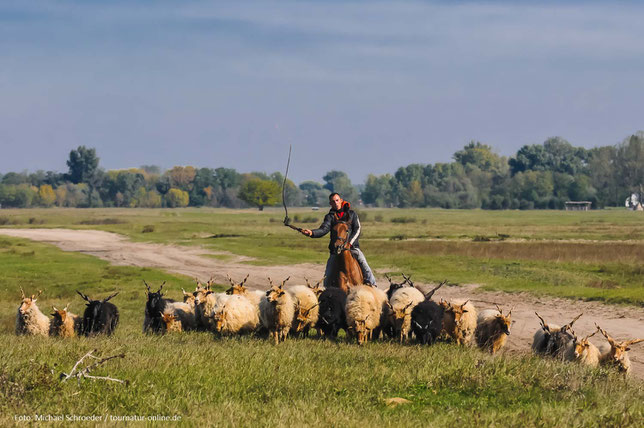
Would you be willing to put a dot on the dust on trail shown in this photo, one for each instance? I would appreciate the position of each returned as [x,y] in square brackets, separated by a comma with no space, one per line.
[622,322]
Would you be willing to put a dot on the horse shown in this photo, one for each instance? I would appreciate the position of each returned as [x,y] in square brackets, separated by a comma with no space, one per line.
[345,271]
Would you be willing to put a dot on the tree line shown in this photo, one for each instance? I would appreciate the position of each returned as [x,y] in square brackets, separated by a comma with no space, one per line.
[538,176]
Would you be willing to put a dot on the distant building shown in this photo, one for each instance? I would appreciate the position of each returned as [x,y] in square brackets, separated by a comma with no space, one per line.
[578,205]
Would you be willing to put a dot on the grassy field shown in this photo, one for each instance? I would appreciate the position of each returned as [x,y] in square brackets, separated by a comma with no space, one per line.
[248,381]
[593,255]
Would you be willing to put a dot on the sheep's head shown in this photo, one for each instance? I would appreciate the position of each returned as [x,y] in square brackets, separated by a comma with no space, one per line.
[200,294]
[317,288]
[220,318]
[94,306]
[618,350]
[457,311]
[423,331]
[154,299]
[302,317]
[276,291]
[237,288]
[504,321]
[399,315]
[361,330]
[393,286]
[28,302]
[60,315]
[188,298]
[170,321]
[582,345]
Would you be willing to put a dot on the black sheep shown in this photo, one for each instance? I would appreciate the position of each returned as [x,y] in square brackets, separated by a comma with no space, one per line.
[331,317]
[154,308]
[427,318]
[100,316]
[427,321]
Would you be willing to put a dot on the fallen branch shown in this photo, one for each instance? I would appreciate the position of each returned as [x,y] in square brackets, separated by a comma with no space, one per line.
[84,373]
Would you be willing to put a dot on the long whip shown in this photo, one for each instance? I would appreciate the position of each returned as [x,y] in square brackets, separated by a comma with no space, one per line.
[287,220]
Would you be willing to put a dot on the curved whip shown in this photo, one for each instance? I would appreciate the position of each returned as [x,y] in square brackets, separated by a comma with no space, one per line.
[287,220]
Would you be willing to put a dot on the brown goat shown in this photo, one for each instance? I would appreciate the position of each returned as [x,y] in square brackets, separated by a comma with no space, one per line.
[64,323]
[459,320]
[317,288]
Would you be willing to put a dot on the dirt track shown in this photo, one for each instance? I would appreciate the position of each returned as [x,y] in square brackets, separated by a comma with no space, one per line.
[621,322]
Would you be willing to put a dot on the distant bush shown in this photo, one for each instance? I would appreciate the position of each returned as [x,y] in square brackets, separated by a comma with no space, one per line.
[305,219]
[94,221]
[148,228]
[403,220]
[398,238]
[378,217]
[4,220]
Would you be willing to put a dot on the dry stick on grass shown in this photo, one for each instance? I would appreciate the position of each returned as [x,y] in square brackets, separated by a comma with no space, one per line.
[84,373]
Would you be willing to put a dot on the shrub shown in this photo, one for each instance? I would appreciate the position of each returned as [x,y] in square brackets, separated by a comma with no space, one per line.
[403,220]
[148,228]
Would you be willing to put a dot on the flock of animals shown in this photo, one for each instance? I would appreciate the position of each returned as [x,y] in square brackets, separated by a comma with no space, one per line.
[364,313]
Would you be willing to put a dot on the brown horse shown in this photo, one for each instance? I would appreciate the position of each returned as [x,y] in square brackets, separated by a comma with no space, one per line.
[345,272]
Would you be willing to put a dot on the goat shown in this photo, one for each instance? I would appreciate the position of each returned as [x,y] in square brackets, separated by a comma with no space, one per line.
[393,286]
[615,353]
[155,306]
[427,318]
[64,323]
[306,309]
[237,315]
[553,340]
[276,311]
[184,313]
[583,351]
[492,329]
[331,315]
[100,316]
[459,320]
[29,319]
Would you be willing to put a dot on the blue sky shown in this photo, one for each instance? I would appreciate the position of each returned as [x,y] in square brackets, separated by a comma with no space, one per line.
[357,86]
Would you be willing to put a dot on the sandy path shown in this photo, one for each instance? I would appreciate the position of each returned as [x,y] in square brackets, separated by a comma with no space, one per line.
[620,321]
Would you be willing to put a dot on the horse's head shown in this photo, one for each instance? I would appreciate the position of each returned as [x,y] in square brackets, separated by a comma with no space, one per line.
[341,233]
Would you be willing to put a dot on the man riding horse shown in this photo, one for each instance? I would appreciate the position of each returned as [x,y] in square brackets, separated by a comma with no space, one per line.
[341,211]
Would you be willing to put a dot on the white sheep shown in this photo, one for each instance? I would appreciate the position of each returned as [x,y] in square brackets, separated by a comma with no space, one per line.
[402,302]
[615,354]
[238,288]
[184,313]
[365,309]
[205,305]
[306,309]
[276,311]
[459,320]
[64,323]
[236,315]
[29,319]
[492,329]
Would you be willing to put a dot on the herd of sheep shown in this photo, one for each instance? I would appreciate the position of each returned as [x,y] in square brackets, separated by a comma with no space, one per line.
[365,313]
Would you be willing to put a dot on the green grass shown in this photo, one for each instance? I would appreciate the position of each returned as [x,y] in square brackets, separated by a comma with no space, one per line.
[593,255]
[249,381]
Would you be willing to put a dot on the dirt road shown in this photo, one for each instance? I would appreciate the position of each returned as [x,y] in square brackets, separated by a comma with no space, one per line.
[620,321]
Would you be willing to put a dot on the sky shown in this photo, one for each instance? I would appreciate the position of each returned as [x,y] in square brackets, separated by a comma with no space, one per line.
[357,86]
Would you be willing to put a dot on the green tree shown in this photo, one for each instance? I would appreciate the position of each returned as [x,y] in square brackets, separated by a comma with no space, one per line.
[83,164]
[259,193]
[177,198]
[338,181]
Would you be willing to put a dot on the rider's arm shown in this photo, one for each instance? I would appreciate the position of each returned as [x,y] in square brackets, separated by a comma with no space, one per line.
[355,228]
[324,228]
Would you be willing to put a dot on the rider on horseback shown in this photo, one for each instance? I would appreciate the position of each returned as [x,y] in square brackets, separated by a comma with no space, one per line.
[340,210]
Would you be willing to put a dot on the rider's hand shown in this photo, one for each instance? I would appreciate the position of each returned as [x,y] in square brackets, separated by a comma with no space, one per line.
[307,232]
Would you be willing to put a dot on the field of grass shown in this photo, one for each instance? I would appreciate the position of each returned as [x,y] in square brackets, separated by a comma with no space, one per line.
[250,382]
[593,255]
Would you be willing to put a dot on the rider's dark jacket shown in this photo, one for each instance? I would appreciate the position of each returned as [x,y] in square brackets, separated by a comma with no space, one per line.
[345,213]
